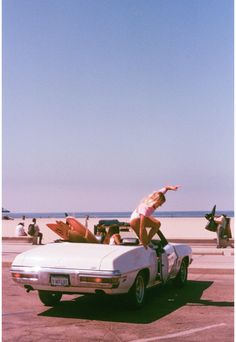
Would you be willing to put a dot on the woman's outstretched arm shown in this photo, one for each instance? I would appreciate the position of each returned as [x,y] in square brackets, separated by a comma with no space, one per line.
[169,187]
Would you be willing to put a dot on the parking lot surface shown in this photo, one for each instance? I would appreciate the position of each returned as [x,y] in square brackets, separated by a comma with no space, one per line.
[201,311]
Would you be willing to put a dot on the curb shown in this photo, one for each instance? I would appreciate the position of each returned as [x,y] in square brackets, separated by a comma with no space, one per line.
[195,240]
[17,239]
[198,270]
[227,252]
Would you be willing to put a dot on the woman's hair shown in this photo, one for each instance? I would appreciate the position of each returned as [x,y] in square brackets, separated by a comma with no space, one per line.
[113,229]
[154,197]
[101,229]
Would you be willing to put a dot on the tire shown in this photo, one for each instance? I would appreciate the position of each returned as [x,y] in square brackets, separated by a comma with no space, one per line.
[182,276]
[49,298]
[137,293]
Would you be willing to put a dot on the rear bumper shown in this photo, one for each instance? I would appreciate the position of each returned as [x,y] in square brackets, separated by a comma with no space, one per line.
[70,280]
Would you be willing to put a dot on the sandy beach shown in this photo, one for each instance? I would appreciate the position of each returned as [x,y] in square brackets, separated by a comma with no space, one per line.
[173,228]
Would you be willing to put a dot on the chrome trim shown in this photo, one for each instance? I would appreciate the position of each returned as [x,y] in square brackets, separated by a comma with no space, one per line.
[97,285]
[37,269]
[44,276]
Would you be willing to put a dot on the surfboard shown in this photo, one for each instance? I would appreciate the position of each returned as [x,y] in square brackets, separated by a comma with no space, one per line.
[72,231]
[84,232]
[65,232]
[60,228]
[74,236]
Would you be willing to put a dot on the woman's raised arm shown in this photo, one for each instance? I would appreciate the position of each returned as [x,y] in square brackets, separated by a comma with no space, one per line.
[169,187]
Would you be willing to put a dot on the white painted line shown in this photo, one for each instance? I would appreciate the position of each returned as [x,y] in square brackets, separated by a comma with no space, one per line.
[181,333]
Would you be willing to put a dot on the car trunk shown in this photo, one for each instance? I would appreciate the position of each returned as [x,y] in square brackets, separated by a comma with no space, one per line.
[66,255]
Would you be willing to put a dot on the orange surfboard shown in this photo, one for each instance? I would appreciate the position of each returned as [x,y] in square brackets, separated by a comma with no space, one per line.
[60,228]
[73,231]
[74,236]
[81,230]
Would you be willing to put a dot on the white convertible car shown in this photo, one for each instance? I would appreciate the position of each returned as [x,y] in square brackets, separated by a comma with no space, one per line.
[82,268]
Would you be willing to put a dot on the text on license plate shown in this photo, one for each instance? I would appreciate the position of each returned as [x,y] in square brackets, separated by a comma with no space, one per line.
[59,280]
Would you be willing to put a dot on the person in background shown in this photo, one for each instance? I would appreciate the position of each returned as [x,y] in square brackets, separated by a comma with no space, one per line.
[20,231]
[113,236]
[142,218]
[223,231]
[86,221]
[37,233]
[101,233]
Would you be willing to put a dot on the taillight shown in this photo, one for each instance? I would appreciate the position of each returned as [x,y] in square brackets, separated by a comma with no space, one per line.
[17,275]
[113,281]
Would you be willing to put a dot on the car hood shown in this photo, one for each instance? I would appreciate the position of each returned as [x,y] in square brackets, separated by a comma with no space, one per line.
[81,256]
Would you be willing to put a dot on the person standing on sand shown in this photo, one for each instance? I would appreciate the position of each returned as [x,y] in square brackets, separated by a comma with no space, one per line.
[86,221]
[142,218]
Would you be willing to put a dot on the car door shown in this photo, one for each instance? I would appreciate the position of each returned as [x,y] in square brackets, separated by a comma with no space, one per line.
[168,259]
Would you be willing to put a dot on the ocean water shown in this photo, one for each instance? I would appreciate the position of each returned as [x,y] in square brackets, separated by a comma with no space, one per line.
[116,215]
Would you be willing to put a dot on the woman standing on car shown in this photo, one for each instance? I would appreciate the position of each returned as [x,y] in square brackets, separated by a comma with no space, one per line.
[142,218]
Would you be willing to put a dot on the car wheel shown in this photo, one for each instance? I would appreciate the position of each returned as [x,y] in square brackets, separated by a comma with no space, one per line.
[181,278]
[49,298]
[137,292]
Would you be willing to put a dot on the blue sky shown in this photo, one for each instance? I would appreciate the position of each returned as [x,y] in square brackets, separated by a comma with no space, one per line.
[106,101]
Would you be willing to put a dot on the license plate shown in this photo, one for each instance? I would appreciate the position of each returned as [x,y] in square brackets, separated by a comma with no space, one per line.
[57,280]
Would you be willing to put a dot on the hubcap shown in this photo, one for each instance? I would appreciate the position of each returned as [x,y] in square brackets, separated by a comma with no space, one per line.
[183,272]
[140,289]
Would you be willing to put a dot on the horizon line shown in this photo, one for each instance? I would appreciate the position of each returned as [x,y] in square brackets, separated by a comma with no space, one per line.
[112,211]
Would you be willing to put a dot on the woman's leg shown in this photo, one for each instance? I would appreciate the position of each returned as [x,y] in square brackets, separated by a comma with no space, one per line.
[154,224]
[149,222]
[135,225]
